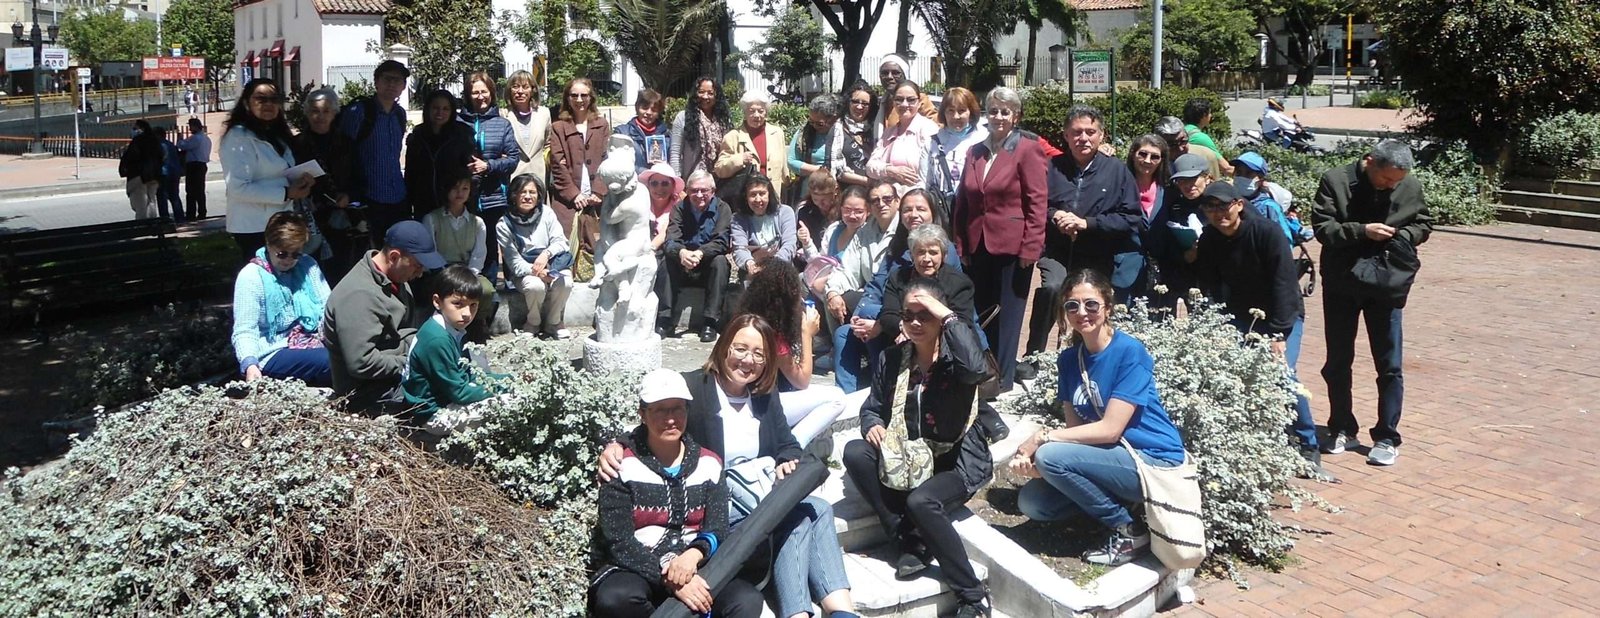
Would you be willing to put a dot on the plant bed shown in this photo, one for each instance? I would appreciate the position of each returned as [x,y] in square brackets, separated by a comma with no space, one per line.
[1057,544]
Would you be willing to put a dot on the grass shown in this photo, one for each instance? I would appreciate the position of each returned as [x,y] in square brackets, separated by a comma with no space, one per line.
[216,251]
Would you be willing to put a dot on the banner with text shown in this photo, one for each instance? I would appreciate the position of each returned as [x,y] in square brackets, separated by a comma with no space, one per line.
[162,68]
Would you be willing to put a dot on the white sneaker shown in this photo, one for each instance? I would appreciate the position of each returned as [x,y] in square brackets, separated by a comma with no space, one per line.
[1338,443]
[1384,453]
[563,334]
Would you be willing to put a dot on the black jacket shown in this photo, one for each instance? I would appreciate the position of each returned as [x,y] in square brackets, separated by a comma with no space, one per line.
[142,158]
[686,230]
[945,405]
[1346,201]
[1253,269]
[428,155]
[1106,195]
[705,426]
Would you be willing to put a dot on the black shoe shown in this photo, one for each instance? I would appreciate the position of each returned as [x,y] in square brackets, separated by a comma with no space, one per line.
[993,423]
[708,334]
[1315,471]
[1026,371]
[908,566]
[968,609]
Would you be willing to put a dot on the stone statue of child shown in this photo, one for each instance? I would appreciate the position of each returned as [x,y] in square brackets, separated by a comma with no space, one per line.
[625,264]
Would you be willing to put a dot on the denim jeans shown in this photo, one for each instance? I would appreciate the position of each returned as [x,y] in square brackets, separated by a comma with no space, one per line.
[309,366]
[1384,334]
[809,564]
[1304,426]
[854,359]
[1098,480]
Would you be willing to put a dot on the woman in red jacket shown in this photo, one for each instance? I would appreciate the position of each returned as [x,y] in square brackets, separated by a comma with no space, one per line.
[999,220]
[577,146]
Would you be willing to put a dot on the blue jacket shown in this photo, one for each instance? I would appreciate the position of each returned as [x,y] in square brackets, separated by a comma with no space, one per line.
[1272,211]
[497,144]
[632,129]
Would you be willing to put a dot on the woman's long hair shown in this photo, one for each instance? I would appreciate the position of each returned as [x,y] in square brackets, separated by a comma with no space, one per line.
[566,98]
[275,132]
[691,119]
[427,101]
[775,294]
[1163,169]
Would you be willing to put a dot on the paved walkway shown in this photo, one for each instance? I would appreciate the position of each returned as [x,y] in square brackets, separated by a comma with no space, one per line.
[24,179]
[1493,508]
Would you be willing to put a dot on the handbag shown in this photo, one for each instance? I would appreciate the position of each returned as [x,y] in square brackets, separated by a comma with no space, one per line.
[1306,269]
[1172,500]
[749,481]
[731,190]
[905,463]
[1388,273]
[582,261]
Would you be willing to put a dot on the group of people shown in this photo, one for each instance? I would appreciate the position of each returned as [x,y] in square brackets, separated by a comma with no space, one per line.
[153,164]
[894,243]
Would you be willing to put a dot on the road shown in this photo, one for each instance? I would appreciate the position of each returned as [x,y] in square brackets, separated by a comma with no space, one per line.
[90,208]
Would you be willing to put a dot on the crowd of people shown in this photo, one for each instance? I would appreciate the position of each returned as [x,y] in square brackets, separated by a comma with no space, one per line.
[895,243]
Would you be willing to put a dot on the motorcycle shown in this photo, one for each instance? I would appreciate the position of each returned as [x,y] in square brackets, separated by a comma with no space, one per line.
[1303,140]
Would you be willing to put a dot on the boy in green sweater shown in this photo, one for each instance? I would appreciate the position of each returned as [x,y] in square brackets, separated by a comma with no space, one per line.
[437,384]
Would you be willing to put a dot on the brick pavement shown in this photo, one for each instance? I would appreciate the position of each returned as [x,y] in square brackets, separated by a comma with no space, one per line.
[1335,118]
[1492,508]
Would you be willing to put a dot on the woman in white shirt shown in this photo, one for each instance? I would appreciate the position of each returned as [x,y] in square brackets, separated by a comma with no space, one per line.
[255,159]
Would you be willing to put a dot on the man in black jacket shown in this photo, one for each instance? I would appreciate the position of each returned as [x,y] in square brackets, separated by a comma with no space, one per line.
[697,243]
[1243,261]
[141,165]
[1365,210]
[1094,215]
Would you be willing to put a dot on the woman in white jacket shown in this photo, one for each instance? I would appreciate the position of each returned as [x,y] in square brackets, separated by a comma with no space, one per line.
[255,161]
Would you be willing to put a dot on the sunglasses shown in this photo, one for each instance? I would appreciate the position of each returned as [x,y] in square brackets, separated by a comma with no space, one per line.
[578,95]
[881,199]
[1090,307]
[921,317]
[861,102]
[287,255]
[660,183]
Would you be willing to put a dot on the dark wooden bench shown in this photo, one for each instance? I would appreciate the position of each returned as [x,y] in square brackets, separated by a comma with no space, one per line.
[82,266]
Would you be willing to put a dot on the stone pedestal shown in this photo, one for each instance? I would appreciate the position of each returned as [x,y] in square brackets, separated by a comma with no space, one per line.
[622,356]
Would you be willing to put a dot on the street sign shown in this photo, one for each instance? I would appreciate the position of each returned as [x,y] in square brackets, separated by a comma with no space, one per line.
[1091,70]
[161,68]
[21,58]
[84,73]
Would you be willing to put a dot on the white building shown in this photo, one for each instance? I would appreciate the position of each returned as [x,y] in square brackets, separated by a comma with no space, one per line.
[303,41]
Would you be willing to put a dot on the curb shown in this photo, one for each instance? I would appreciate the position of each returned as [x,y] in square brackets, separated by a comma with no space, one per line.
[77,186]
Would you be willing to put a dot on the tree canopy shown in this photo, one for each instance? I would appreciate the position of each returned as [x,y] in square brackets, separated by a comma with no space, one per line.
[96,35]
[793,48]
[852,22]
[203,28]
[452,38]
[663,38]
[1199,35]
[959,27]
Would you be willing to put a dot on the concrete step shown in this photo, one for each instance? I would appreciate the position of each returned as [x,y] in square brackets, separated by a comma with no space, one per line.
[1551,201]
[1581,188]
[1549,218]
[878,593]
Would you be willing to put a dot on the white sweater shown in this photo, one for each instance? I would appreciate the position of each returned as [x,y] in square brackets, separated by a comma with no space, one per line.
[256,185]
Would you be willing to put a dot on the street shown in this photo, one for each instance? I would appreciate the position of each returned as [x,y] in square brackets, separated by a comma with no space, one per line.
[88,208]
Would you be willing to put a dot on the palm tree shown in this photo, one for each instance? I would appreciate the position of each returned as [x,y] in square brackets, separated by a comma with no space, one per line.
[663,37]
[1035,13]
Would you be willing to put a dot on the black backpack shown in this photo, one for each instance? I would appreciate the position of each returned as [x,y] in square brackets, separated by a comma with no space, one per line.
[369,119]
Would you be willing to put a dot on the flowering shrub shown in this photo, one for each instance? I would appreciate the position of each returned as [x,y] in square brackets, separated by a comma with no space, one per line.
[195,504]
[186,347]
[1231,403]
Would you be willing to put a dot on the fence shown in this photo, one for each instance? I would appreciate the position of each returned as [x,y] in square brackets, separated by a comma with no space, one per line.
[103,136]
[340,75]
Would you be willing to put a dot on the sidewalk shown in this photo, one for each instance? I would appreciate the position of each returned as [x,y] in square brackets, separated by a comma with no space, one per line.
[21,179]
[1491,510]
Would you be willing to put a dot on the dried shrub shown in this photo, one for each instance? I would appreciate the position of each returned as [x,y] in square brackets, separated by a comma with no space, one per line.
[186,346]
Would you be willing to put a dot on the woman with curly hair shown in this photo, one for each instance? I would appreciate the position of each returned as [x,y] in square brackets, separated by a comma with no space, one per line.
[776,294]
[697,130]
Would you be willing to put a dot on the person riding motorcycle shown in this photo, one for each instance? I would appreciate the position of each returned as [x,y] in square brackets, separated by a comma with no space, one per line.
[1278,126]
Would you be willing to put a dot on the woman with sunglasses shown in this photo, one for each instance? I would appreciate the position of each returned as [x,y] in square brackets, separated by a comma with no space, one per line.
[255,155]
[902,152]
[278,301]
[1148,160]
[929,385]
[666,191]
[577,146]
[1108,395]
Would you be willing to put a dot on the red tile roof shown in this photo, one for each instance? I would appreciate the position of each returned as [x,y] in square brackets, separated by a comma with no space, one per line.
[353,7]
[1105,5]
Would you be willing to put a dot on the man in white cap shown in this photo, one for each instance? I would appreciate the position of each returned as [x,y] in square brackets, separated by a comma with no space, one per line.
[891,72]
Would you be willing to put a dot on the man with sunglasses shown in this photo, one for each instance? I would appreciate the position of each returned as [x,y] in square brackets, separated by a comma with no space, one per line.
[696,246]
[1243,260]
[1094,215]
[369,324]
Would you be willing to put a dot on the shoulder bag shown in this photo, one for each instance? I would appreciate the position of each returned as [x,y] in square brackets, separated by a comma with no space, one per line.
[905,463]
[1388,273]
[1172,500]
[749,481]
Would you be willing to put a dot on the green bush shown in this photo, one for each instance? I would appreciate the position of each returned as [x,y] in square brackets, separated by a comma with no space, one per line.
[1314,90]
[1044,111]
[1386,99]
[190,346]
[1231,403]
[790,117]
[196,504]
[674,105]
[1456,188]
[1565,141]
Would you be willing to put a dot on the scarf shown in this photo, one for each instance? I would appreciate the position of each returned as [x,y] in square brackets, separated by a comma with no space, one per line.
[291,300]
[710,140]
[649,129]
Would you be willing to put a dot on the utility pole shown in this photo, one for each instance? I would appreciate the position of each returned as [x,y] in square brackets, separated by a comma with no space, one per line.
[1159,8]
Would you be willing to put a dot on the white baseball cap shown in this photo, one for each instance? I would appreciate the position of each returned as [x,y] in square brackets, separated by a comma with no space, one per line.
[662,383]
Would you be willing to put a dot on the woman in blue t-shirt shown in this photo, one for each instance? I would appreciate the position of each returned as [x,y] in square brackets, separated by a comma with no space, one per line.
[1082,467]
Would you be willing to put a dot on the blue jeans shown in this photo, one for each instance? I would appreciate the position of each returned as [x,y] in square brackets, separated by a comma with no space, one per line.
[1097,480]
[309,366]
[809,564]
[1304,425]
[854,359]
[1340,312]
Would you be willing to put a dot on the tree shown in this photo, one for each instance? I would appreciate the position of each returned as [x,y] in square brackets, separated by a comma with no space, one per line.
[99,35]
[204,28]
[663,37]
[452,38]
[1200,35]
[1510,62]
[1302,22]
[1035,14]
[959,27]
[543,26]
[793,49]
[852,22]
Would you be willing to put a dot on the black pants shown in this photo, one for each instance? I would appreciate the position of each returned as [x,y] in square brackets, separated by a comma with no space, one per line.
[927,508]
[491,254]
[623,594]
[381,217]
[1340,313]
[712,274]
[194,190]
[1000,281]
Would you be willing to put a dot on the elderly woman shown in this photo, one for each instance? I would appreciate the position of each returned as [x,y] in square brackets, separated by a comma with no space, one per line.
[816,213]
[819,146]
[762,227]
[664,470]
[999,220]
[697,131]
[902,153]
[961,116]
[577,146]
[278,301]
[530,123]
[927,388]
[255,159]
[735,411]
[438,144]
[757,146]
[537,259]
[330,197]
[497,155]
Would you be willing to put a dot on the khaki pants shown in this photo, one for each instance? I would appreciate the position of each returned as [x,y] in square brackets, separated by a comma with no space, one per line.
[142,197]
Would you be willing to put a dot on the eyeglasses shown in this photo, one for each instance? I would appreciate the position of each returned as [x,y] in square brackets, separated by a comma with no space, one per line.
[578,95]
[882,199]
[921,317]
[861,102]
[1090,307]
[1214,205]
[999,112]
[1148,156]
[700,191]
[748,354]
[906,100]
[287,255]
[660,183]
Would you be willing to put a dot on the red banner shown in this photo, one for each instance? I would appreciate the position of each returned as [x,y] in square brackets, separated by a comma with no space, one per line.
[191,68]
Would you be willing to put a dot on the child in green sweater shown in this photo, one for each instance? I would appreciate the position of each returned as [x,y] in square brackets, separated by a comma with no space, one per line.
[437,384]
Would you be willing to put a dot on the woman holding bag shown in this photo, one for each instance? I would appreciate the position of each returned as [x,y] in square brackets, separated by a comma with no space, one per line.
[1111,406]
[929,382]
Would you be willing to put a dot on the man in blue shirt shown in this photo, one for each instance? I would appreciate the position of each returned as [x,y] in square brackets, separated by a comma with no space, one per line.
[377,126]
